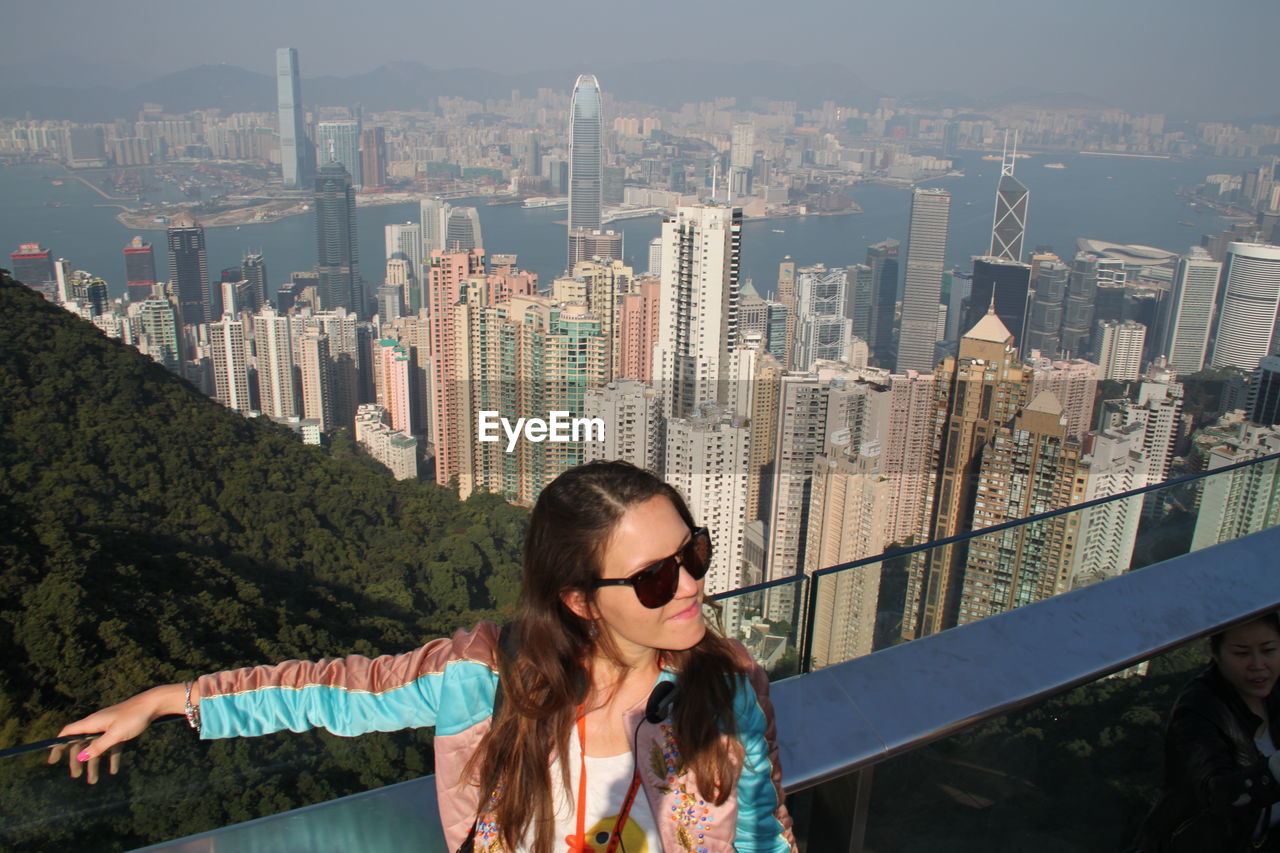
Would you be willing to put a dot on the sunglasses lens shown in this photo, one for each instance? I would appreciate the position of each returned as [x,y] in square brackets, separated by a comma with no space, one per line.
[697,556]
[656,585]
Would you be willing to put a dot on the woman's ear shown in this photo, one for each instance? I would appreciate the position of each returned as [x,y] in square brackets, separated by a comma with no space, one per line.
[576,601]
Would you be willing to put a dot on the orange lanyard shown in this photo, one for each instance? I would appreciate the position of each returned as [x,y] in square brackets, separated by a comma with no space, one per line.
[579,841]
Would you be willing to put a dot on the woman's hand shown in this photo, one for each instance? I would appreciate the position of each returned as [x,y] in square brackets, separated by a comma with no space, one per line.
[106,729]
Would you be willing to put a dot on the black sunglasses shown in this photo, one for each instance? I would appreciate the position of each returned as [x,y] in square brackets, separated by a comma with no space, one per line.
[656,583]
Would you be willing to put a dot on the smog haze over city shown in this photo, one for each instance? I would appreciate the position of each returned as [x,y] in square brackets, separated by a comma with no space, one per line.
[1187,59]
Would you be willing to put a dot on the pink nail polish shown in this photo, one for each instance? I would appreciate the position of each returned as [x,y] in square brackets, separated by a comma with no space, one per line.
[83,756]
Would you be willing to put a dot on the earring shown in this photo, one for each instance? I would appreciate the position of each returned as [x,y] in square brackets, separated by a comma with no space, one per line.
[592,631]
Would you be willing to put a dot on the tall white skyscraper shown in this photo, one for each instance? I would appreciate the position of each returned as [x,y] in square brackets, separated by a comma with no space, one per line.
[1247,322]
[698,314]
[293,136]
[586,154]
[922,282]
[1190,313]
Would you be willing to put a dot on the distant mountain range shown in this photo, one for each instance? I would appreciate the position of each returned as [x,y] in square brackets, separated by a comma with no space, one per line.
[411,85]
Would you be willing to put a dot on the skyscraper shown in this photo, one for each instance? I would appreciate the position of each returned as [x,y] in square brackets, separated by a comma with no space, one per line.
[1117,349]
[274,347]
[698,323]
[188,270]
[315,366]
[922,283]
[1247,321]
[433,218]
[33,266]
[139,270]
[1044,318]
[253,269]
[586,155]
[1190,311]
[373,157]
[882,258]
[1009,226]
[294,155]
[1008,283]
[230,363]
[337,263]
[462,230]
[1028,467]
[822,329]
[978,391]
[340,141]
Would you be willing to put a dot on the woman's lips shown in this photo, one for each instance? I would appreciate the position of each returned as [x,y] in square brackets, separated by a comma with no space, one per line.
[689,612]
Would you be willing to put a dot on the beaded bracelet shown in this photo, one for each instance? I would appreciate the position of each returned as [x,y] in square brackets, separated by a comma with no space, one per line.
[192,711]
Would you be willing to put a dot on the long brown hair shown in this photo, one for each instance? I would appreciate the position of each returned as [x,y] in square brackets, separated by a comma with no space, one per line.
[545,680]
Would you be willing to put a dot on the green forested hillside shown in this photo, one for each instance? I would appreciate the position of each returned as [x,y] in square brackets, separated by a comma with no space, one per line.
[147,534]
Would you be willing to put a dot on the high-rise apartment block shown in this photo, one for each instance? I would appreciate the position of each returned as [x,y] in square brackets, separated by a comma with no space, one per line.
[1028,467]
[882,258]
[632,414]
[1045,315]
[1236,503]
[1073,383]
[1114,462]
[1117,349]
[230,363]
[274,346]
[922,282]
[698,315]
[315,366]
[978,391]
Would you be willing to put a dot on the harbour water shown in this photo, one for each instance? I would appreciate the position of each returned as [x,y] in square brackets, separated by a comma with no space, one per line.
[1122,200]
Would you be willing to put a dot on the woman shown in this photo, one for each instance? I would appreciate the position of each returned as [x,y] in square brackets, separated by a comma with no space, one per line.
[1221,762]
[610,610]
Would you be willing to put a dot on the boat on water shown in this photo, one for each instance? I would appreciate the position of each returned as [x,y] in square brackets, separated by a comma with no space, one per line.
[1055,165]
[779,231]
[1186,223]
[56,183]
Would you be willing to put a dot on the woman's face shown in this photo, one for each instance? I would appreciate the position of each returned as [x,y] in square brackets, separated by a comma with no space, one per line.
[1249,658]
[645,534]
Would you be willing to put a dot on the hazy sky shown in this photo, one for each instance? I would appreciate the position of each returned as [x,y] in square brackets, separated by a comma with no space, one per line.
[1203,57]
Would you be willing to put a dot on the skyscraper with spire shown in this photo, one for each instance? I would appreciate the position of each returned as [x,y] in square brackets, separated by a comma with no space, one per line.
[1009,226]
[295,157]
[586,156]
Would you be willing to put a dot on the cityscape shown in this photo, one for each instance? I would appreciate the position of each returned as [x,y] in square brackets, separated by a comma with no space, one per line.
[480,293]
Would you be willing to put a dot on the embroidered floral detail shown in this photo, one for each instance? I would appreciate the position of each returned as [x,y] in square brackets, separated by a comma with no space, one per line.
[689,812]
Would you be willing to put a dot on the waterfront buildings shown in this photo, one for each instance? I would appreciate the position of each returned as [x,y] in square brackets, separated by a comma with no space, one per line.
[586,157]
[1250,302]
[32,264]
[295,149]
[922,282]
[822,329]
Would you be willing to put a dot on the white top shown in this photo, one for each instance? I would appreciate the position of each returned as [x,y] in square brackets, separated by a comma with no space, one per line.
[607,781]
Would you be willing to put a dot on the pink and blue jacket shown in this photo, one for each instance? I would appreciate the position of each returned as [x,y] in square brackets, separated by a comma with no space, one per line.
[451,683]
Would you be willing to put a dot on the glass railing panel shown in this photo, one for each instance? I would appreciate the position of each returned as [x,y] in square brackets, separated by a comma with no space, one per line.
[768,619]
[877,603]
[1075,772]
[171,784]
